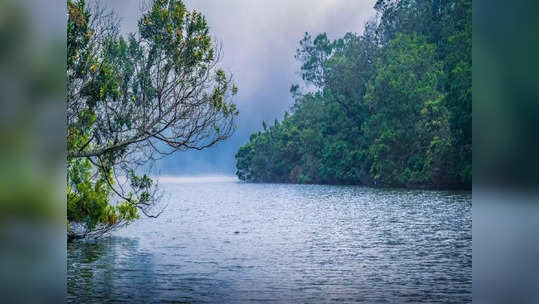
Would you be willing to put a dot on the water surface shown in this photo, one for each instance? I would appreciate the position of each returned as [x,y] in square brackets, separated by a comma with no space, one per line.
[231,242]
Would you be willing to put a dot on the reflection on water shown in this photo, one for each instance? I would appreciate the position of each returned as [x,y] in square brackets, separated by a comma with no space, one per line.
[227,242]
[111,269]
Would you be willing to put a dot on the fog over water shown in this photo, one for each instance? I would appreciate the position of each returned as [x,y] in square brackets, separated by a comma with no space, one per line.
[259,40]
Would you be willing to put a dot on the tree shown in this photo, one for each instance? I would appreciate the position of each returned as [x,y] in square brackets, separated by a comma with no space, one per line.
[133,100]
[458,68]
[407,77]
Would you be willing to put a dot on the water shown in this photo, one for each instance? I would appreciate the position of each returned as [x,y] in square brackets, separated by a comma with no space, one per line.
[230,242]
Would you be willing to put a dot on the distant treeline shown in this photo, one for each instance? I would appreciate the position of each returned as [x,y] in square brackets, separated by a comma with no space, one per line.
[390,107]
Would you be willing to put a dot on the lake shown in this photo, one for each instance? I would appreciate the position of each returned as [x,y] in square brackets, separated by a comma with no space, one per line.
[223,241]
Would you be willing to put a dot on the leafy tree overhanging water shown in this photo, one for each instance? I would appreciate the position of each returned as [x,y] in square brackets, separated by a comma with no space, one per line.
[133,100]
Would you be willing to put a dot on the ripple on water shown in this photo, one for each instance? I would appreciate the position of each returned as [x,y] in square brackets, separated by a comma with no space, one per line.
[221,242]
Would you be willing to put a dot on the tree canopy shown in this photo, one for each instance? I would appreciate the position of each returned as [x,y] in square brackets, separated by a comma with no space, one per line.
[391,107]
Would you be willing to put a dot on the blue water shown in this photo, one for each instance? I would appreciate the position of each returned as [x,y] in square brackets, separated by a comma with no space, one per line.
[232,242]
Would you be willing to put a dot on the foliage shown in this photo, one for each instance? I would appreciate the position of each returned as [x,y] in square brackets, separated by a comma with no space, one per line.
[132,100]
[391,107]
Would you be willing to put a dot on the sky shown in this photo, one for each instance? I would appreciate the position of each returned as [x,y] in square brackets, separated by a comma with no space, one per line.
[259,39]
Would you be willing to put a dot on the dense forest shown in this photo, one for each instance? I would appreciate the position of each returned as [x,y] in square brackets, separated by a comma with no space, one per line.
[390,107]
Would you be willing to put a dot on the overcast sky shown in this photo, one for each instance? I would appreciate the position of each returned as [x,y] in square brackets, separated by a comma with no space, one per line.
[259,39]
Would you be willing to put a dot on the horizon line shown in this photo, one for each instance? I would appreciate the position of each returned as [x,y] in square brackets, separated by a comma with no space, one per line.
[210,178]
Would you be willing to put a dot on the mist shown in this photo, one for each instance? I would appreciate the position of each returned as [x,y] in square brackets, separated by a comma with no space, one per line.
[258,40]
